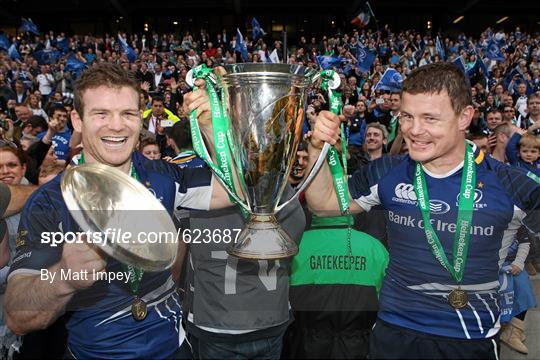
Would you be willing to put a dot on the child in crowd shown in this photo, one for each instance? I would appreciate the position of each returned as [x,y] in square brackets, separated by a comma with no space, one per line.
[523,151]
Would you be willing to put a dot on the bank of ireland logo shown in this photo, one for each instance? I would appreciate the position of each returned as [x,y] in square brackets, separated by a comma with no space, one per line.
[438,207]
[405,194]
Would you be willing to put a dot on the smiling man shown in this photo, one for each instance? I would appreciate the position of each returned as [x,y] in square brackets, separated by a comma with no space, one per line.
[141,319]
[376,139]
[439,297]
[61,138]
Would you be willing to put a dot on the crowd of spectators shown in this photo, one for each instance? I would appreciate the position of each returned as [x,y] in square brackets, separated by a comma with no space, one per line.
[35,84]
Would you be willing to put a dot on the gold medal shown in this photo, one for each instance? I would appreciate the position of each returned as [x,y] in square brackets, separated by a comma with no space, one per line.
[458,298]
[138,309]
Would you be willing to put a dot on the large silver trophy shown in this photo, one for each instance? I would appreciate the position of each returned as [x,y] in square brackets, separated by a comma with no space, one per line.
[265,104]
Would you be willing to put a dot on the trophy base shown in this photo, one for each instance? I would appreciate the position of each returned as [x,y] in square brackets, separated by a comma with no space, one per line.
[263,239]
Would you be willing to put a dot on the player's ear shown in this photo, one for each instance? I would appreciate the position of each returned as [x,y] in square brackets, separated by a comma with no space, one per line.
[76,121]
[465,118]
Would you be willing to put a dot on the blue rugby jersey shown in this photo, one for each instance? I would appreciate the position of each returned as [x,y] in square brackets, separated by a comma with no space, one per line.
[100,323]
[188,159]
[416,287]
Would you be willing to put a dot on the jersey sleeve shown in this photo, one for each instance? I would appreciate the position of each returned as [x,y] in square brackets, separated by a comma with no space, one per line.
[525,192]
[196,190]
[39,224]
[193,185]
[512,149]
[364,183]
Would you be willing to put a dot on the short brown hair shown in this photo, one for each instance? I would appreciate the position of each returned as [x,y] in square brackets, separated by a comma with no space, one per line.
[18,152]
[147,142]
[378,125]
[503,128]
[532,96]
[494,111]
[105,74]
[530,141]
[438,77]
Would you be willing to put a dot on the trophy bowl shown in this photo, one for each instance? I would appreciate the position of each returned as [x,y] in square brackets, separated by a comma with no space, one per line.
[265,106]
[105,201]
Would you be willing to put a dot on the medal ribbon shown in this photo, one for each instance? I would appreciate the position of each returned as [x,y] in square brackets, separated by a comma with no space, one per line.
[135,274]
[221,130]
[339,176]
[393,129]
[464,217]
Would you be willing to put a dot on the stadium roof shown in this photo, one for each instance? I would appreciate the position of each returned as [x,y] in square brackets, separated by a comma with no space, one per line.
[130,15]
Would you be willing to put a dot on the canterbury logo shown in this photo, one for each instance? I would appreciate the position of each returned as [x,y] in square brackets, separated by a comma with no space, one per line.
[405,192]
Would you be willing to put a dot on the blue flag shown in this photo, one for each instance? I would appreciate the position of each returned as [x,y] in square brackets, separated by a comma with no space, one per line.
[494,52]
[510,76]
[474,68]
[440,49]
[501,41]
[4,42]
[131,54]
[459,63]
[466,44]
[515,293]
[241,46]
[74,65]
[481,66]
[482,69]
[506,294]
[364,58]
[28,25]
[328,62]
[390,81]
[257,31]
[47,57]
[13,53]
[63,45]
[347,69]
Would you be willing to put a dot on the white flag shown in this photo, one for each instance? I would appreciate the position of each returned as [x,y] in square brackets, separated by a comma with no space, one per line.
[274,58]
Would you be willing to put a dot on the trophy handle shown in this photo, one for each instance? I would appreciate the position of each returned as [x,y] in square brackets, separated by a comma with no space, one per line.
[239,201]
[219,176]
[304,184]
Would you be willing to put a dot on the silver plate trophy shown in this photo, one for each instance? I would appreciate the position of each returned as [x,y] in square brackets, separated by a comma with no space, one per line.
[265,106]
[139,230]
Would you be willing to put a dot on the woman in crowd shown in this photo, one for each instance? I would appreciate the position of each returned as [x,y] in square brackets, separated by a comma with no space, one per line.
[33,103]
